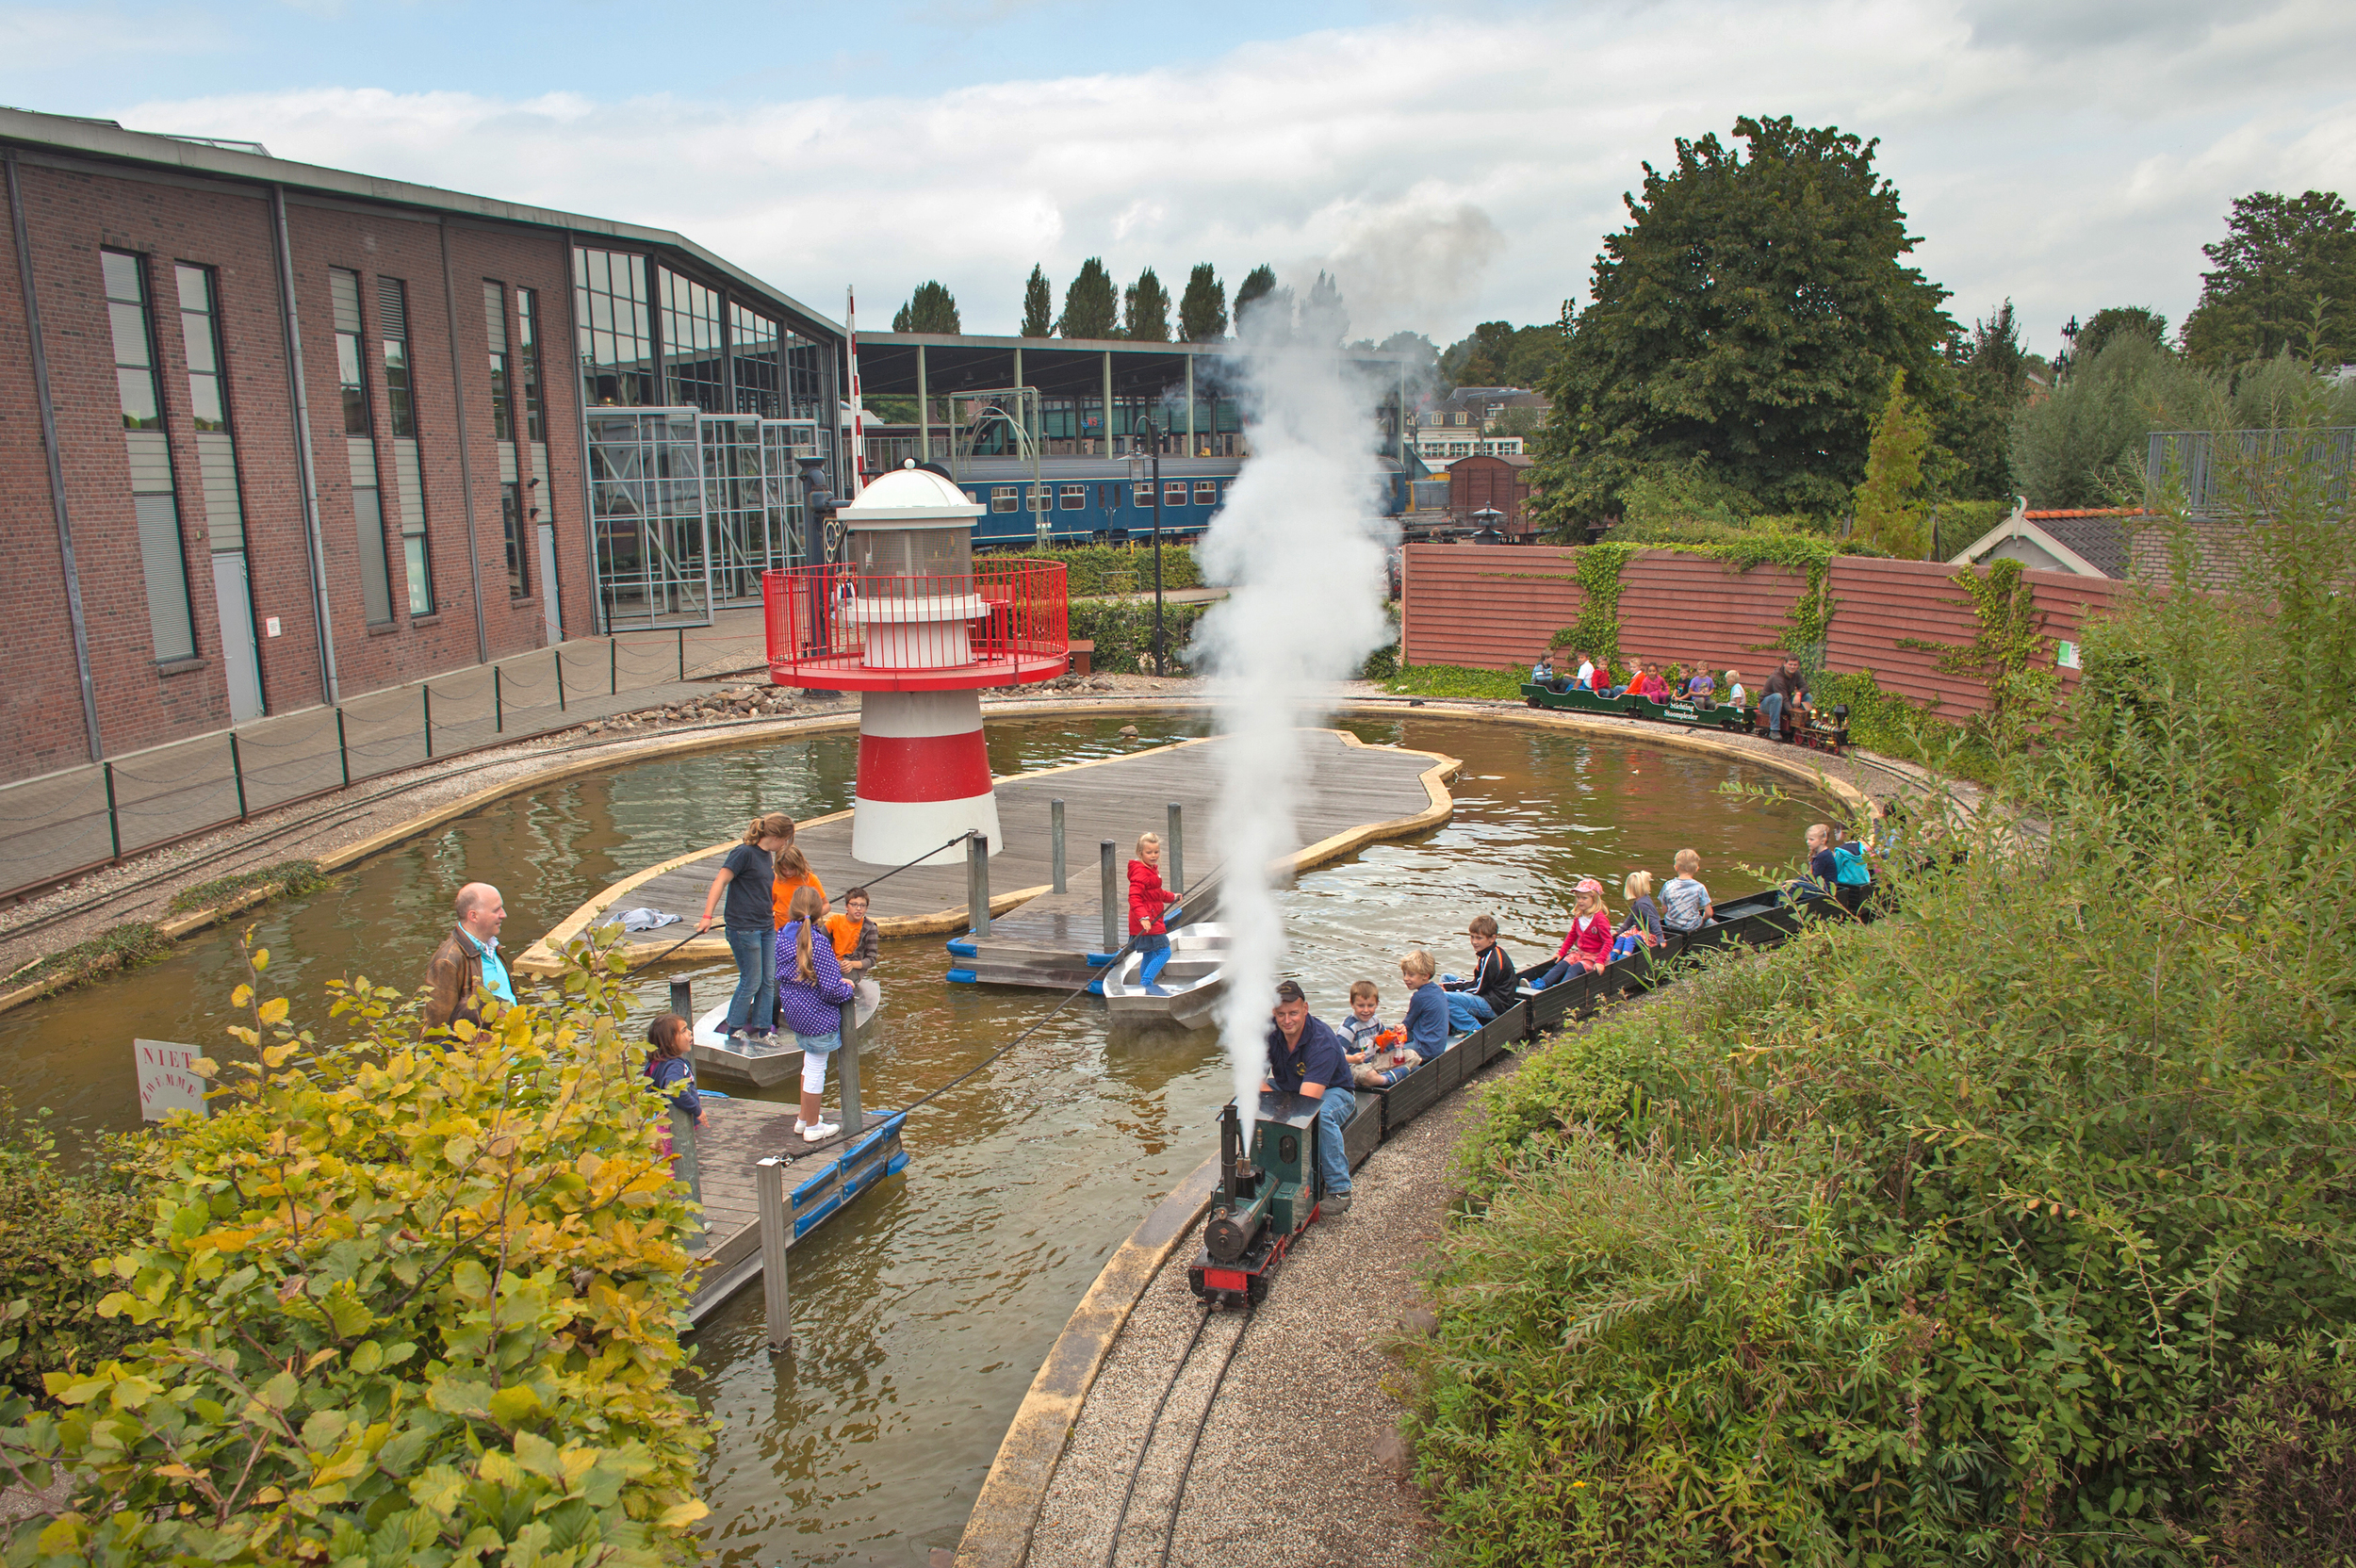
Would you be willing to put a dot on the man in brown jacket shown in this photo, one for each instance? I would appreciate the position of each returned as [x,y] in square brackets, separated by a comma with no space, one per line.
[467,966]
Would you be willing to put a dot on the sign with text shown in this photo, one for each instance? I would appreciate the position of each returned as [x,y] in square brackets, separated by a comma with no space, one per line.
[168,1080]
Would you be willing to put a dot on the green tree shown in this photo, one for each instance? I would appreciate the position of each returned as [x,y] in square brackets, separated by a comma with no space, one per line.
[1091,306]
[1888,502]
[2077,446]
[1992,381]
[1324,319]
[931,308]
[1749,316]
[2111,320]
[2285,278]
[1145,310]
[1202,308]
[1479,358]
[1038,305]
[1257,284]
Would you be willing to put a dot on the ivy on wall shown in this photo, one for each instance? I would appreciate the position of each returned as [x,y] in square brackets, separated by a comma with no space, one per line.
[1597,632]
[2009,654]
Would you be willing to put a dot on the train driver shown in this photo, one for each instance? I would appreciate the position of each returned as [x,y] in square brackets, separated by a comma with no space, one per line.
[1304,1057]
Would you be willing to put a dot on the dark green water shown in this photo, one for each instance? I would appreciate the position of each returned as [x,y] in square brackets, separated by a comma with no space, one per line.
[921,1314]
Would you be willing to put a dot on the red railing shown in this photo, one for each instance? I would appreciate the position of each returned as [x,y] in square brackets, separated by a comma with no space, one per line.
[1001,623]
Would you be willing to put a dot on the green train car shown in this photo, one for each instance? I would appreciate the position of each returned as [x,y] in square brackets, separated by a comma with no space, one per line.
[1820,730]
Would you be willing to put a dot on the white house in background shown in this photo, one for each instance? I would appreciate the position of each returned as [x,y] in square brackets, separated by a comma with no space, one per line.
[2086,541]
[1462,424]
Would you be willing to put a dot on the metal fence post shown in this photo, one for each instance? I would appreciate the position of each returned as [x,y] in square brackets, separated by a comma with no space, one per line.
[1175,851]
[236,772]
[847,1070]
[1055,844]
[427,692]
[1112,895]
[683,653]
[613,666]
[776,1236]
[557,656]
[114,819]
[343,749]
[499,705]
[978,884]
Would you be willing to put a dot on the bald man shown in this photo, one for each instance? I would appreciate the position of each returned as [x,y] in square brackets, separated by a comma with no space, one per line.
[467,966]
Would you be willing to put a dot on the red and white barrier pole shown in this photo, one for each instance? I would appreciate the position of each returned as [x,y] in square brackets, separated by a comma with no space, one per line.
[857,469]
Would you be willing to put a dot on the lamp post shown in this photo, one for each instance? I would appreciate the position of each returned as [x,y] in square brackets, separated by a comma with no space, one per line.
[1153,467]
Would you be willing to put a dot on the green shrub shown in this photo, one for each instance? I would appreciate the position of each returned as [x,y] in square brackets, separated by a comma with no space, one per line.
[289,878]
[1382,664]
[56,1220]
[401,1301]
[1455,681]
[1991,1233]
[1092,570]
[1122,630]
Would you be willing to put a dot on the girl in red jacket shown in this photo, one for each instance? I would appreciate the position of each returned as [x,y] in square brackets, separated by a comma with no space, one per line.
[1148,898]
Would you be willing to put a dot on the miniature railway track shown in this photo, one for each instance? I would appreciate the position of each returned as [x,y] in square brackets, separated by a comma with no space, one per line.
[1168,1533]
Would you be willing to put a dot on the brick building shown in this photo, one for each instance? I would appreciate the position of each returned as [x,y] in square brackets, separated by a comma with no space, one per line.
[272,434]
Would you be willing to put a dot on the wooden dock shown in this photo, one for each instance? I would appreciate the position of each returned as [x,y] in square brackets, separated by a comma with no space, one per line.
[1352,794]
[819,1179]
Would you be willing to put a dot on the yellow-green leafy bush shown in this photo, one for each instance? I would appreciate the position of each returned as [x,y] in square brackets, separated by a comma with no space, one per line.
[403,1302]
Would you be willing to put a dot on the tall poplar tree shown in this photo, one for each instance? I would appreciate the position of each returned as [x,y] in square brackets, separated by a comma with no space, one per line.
[1091,306]
[1145,310]
[931,308]
[1258,284]
[1202,308]
[1888,502]
[1743,326]
[1038,305]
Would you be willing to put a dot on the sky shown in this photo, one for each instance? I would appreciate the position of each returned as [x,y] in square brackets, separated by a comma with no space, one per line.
[1448,163]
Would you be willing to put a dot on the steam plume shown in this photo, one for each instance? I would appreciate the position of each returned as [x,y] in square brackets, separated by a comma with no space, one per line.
[1301,546]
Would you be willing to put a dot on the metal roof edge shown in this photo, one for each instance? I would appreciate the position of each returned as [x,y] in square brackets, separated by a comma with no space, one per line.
[71,134]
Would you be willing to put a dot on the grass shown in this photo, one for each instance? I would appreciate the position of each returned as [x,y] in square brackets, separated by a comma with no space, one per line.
[1455,681]
[287,878]
[117,946]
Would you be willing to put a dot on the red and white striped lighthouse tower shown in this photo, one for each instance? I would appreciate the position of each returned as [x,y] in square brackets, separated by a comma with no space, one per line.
[912,625]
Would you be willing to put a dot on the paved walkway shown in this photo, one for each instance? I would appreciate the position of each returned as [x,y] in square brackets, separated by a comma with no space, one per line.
[62,822]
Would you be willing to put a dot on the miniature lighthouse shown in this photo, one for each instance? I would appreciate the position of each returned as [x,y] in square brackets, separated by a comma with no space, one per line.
[910,624]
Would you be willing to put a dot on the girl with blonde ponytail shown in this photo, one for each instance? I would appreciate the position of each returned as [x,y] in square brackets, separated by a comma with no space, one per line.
[811,994]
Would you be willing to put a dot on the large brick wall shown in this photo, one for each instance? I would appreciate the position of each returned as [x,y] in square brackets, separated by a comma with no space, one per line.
[1495,607]
[73,212]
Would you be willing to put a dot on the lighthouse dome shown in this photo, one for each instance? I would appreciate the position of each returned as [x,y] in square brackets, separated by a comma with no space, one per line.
[910,498]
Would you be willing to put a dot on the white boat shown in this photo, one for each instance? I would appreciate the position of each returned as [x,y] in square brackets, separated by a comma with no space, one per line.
[762,1066]
[1185,992]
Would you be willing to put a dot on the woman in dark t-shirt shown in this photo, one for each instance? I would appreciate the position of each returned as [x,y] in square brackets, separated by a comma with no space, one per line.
[744,877]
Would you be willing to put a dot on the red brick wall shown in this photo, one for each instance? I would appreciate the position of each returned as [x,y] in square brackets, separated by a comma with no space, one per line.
[71,214]
[1493,607]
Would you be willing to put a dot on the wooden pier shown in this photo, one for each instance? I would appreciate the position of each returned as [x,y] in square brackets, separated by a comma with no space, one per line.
[1352,794]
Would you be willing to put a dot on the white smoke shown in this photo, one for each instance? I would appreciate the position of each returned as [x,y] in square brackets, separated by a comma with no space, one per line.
[1300,545]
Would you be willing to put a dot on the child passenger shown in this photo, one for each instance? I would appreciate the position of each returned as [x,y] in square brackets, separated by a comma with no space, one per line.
[1427,1011]
[1644,916]
[1377,1057]
[1148,898]
[1489,989]
[1588,944]
[855,947]
[1685,902]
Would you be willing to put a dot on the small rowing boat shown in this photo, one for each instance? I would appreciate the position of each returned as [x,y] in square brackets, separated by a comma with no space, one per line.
[1186,991]
[764,1066]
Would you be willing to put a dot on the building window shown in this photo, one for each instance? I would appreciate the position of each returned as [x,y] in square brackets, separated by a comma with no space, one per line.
[392,310]
[1206,492]
[528,352]
[1108,497]
[1142,495]
[753,360]
[617,337]
[367,501]
[973,497]
[494,336]
[208,406]
[154,501]
[691,343]
[1003,497]
[344,288]
[1174,492]
[1075,498]
[1042,497]
[511,530]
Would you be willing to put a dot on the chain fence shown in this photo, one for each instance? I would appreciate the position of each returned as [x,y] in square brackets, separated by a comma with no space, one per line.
[63,823]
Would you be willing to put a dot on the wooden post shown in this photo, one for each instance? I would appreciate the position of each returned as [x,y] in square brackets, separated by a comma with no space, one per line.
[847,1068]
[777,1235]
[1174,852]
[1055,844]
[683,999]
[1112,895]
[977,884]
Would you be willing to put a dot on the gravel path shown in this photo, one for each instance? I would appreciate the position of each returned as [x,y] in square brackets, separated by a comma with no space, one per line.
[1301,1463]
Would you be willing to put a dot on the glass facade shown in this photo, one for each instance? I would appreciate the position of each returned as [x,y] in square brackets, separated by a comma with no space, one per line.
[155,500]
[646,516]
[616,332]
[753,362]
[695,370]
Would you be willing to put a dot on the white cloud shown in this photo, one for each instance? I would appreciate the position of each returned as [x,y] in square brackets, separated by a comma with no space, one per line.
[1449,169]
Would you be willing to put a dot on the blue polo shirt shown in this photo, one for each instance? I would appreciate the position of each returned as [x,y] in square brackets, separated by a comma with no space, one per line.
[494,966]
[1318,1059]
